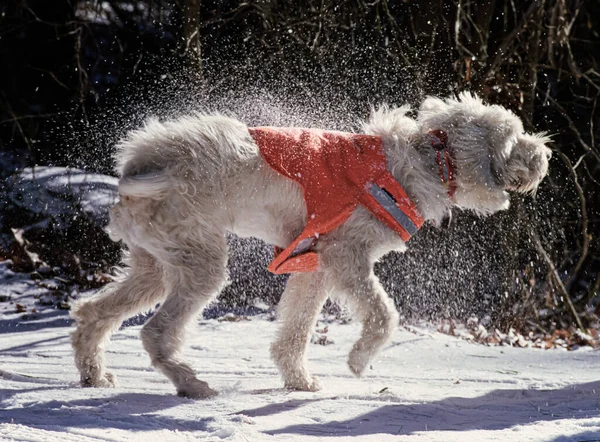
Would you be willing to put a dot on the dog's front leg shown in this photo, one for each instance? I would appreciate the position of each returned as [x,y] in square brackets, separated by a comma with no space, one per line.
[298,309]
[351,276]
[379,317]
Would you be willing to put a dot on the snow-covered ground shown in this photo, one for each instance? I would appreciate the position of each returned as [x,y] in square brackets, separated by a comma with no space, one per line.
[52,190]
[425,386]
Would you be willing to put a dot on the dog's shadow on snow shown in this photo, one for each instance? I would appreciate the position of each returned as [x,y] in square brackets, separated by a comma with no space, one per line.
[38,321]
[496,410]
[276,408]
[125,411]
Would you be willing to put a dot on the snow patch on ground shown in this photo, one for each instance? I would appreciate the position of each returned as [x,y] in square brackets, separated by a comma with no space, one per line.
[425,386]
[52,190]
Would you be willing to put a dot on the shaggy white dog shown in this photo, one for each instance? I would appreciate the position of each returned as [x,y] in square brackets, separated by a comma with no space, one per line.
[186,183]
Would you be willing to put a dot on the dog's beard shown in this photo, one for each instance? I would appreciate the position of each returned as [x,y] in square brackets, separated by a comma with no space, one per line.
[524,188]
[527,165]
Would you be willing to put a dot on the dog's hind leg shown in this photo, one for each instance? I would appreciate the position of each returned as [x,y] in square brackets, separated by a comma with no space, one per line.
[194,274]
[300,304]
[101,315]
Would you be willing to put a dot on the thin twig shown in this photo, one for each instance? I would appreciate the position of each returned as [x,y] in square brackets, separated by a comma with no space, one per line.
[593,292]
[502,52]
[584,218]
[572,126]
[556,276]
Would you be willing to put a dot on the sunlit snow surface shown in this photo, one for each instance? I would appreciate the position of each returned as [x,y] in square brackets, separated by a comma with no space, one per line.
[52,191]
[424,387]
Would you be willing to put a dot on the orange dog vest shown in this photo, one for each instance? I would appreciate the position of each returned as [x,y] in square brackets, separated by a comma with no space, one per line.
[337,171]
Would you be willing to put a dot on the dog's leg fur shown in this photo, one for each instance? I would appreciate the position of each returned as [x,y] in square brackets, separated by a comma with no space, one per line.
[379,318]
[193,276]
[350,272]
[98,317]
[298,308]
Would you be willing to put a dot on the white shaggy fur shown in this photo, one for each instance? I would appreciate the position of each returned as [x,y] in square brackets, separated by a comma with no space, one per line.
[186,183]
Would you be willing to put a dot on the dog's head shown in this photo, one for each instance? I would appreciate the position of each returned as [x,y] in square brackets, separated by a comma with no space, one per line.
[492,154]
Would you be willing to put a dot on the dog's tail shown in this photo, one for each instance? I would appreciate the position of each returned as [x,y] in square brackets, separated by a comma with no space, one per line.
[147,185]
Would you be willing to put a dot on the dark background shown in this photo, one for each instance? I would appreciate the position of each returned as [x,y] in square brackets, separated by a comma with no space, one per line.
[76,75]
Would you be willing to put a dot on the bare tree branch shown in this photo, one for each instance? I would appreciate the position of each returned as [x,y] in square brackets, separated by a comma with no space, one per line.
[556,277]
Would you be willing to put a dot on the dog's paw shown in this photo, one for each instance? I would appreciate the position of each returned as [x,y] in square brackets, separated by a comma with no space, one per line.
[108,380]
[357,362]
[311,383]
[196,389]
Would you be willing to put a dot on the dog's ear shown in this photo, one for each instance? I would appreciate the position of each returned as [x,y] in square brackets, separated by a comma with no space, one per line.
[527,164]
